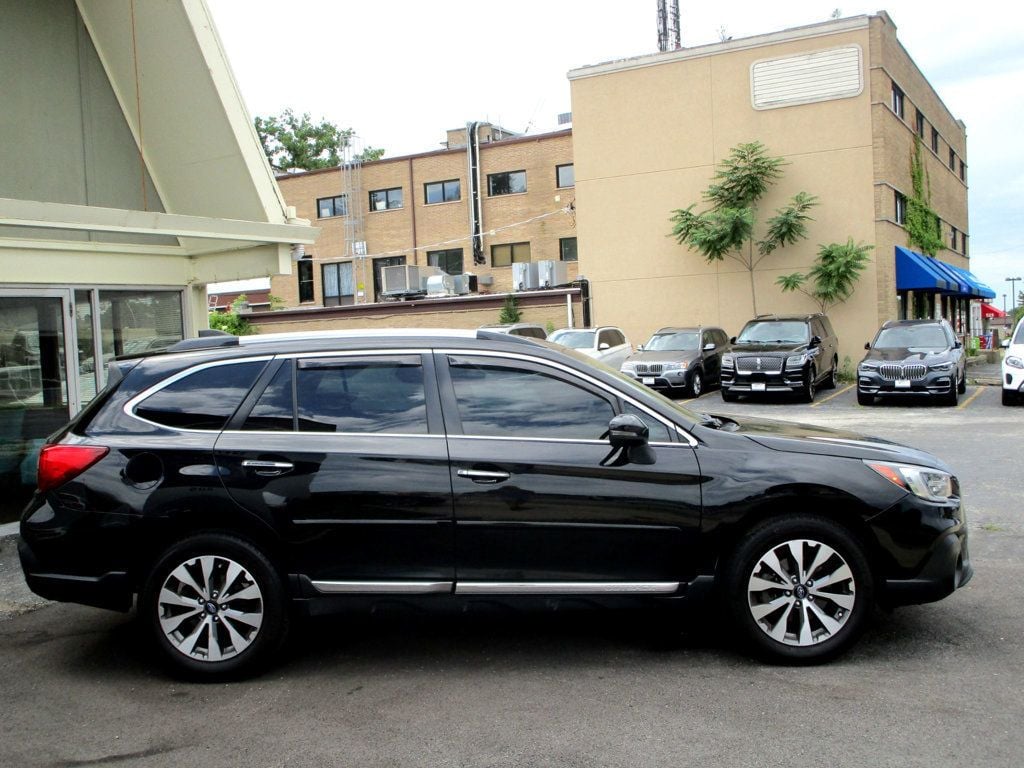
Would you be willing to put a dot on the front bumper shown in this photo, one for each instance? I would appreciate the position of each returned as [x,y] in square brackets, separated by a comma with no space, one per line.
[1013,378]
[667,380]
[937,383]
[762,381]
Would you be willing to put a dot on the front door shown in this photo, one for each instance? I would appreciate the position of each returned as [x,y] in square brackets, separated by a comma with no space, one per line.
[541,506]
[35,399]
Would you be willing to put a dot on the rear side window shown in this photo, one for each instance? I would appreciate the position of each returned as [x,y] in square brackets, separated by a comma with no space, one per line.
[204,399]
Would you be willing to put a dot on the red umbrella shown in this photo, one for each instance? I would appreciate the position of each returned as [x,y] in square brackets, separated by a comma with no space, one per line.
[988,311]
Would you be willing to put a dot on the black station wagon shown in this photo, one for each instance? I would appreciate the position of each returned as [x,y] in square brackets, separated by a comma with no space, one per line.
[225,483]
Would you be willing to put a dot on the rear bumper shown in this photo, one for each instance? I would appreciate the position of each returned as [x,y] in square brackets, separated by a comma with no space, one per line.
[112,590]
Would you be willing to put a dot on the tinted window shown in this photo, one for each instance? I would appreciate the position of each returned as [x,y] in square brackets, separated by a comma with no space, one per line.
[912,337]
[774,331]
[202,400]
[361,396]
[657,432]
[1019,337]
[275,410]
[617,338]
[497,401]
[574,339]
[674,342]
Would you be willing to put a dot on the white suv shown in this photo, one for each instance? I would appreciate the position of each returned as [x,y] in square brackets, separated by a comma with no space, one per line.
[1013,366]
[607,343]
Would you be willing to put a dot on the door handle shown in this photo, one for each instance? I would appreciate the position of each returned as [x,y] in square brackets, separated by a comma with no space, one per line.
[483,476]
[268,468]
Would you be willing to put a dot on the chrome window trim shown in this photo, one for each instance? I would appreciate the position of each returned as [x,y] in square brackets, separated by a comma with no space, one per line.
[131,405]
[383,587]
[290,433]
[670,425]
[565,587]
[578,441]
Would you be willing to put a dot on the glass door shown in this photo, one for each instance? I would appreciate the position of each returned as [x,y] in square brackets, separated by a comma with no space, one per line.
[35,398]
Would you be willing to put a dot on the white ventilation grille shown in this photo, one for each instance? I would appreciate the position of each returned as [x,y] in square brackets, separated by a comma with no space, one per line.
[818,76]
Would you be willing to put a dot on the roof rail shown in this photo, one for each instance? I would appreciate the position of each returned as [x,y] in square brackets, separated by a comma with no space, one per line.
[208,339]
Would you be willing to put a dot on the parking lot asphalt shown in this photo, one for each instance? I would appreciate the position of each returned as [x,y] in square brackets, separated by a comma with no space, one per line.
[928,685]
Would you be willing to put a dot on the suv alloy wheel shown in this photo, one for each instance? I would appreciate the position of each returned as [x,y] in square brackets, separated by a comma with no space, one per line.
[810,385]
[696,384]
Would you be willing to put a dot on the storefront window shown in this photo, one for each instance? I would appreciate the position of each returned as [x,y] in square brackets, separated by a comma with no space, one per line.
[135,322]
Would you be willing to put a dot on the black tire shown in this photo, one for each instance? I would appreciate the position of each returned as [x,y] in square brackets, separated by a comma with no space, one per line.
[809,626]
[952,397]
[864,398]
[833,376]
[696,383]
[252,588]
[810,385]
[1009,397]
[728,396]
[962,388]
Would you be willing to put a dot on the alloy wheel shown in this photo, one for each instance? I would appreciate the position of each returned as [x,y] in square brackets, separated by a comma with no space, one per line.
[210,608]
[801,592]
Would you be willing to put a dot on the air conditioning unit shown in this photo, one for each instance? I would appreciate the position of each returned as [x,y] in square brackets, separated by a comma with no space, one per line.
[440,285]
[464,284]
[406,279]
[551,274]
[524,276]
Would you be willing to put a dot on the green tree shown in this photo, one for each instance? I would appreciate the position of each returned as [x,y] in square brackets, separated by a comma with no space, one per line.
[833,278]
[510,310]
[728,227]
[924,230]
[232,321]
[297,143]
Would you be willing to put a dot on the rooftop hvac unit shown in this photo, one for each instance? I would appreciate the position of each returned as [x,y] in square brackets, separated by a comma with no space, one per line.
[464,284]
[551,274]
[524,276]
[405,279]
[440,285]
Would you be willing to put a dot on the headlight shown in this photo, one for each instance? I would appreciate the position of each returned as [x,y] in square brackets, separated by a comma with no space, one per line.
[796,361]
[628,367]
[727,361]
[869,366]
[941,367]
[924,482]
[675,366]
[1015,362]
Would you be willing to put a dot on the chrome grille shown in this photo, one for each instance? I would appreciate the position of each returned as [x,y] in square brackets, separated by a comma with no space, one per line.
[894,371]
[645,369]
[755,363]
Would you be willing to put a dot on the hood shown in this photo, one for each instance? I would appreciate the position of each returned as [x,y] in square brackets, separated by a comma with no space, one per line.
[807,438]
[788,348]
[906,355]
[663,356]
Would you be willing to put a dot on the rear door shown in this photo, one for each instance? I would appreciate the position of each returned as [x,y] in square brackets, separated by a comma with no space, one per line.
[345,454]
[541,503]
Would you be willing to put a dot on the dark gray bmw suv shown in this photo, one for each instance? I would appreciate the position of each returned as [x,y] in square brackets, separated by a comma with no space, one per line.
[913,357]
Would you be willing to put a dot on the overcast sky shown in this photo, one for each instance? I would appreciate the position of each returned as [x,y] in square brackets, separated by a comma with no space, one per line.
[402,72]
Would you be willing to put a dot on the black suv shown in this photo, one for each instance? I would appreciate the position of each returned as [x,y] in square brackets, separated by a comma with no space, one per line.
[913,357]
[782,353]
[227,483]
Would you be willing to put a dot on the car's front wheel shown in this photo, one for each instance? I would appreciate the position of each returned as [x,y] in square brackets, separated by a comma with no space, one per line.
[696,384]
[216,605]
[728,396]
[800,589]
[863,398]
[1009,397]
[810,385]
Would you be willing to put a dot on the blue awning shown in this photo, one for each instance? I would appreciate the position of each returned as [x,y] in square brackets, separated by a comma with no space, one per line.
[958,286]
[978,288]
[915,272]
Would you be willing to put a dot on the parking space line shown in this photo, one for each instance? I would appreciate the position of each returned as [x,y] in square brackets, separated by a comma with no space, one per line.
[833,395]
[972,398]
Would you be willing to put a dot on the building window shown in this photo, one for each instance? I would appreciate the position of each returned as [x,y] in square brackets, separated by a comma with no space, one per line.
[449,261]
[920,123]
[901,209]
[442,191]
[963,243]
[504,255]
[565,175]
[508,183]
[952,159]
[326,207]
[897,100]
[339,288]
[567,248]
[952,238]
[305,270]
[935,141]
[963,171]
[386,199]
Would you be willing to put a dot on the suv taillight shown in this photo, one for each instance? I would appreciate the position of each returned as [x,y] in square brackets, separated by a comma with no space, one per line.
[60,463]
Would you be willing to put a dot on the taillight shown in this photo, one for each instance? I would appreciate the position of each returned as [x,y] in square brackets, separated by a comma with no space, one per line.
[60,463]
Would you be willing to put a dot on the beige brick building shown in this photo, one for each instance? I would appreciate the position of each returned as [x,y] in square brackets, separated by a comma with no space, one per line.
[486,199]
[841,102]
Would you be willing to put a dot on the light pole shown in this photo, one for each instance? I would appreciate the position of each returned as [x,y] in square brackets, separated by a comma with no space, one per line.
[1013,291]
[1004,303]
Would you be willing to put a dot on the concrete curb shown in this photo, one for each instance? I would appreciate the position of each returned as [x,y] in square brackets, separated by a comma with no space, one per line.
[8,530]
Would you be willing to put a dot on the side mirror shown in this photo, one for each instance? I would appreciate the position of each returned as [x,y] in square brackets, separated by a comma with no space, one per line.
[732,340]
[709,347]
[639,347]
[815,342]
[1005,344]
[867,345]
[627,430]
[603,346]
[957,345]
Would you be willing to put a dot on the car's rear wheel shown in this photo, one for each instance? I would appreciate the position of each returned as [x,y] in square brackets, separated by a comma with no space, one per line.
[696,384]
[216,605]
[800,589]
[833,375]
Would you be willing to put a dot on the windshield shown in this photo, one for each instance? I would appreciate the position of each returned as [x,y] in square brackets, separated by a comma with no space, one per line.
[912,337]
[574,339]
[1019,337]
[774,332]
[676,342]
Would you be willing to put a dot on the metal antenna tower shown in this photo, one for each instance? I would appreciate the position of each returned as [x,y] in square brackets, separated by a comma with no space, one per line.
[352,190]
[668,26]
